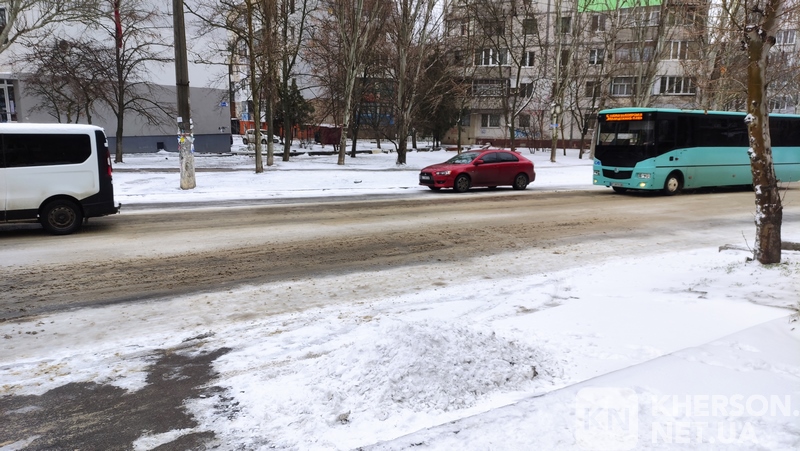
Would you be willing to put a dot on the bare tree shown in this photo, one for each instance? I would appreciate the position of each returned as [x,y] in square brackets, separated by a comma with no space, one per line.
[440,105]
[31,21]
[759,37]
[357,25]
[62,78]
[512,56]
[413,23]
[327,69]
[121,62]
[250,45]
[462,41]
[719,67]
[292,34]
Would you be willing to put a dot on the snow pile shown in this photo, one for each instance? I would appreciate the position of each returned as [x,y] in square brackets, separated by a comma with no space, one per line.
[383,375]
[428,367]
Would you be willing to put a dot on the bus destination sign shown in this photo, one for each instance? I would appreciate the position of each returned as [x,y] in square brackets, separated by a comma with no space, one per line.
[624,117]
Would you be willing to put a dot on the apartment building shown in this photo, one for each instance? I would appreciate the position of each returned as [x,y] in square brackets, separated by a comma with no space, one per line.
[21,101]
[539,68]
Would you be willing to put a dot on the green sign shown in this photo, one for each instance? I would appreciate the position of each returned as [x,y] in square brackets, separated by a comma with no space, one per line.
[611,5]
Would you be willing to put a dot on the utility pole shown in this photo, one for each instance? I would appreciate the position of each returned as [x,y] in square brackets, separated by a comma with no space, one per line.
[555,108]
[185,133]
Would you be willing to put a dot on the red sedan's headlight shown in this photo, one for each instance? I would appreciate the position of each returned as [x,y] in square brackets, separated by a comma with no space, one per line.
[442,172]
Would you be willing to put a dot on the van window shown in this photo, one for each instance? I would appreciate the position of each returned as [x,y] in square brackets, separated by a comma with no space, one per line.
[45,150]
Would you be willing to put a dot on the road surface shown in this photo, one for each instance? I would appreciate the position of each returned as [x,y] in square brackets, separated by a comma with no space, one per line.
[149,253]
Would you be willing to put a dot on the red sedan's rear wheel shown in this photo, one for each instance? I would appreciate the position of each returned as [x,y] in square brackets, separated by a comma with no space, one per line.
[520,181]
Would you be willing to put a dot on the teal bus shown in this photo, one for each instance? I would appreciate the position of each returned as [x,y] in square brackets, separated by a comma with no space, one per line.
[671,150]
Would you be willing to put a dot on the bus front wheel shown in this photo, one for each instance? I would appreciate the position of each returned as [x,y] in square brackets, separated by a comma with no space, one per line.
[61,217]
[674,184]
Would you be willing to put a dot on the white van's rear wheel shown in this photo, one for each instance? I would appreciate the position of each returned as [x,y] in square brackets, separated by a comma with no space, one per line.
[61,217]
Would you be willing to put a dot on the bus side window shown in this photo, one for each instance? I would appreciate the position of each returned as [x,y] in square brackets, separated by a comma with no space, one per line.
[777,127]
[791,133]
[735,132]
[666,136]
[684,137]
[784,132]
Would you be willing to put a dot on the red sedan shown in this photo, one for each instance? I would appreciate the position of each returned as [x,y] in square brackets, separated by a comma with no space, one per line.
[491,167]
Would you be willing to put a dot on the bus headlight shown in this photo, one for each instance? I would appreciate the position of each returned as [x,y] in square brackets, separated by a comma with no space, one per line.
[597,172]
[643,175]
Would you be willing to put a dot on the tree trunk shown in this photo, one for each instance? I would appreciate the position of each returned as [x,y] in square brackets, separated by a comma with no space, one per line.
[118,146]
[402,144]
[769,211]
[254,89]
[288,126]
[355,139]
[270,126]
[458,140]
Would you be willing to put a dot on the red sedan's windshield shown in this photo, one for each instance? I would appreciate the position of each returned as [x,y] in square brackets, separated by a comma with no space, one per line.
[463,158]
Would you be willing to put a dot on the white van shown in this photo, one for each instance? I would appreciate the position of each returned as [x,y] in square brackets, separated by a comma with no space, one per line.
[56,174]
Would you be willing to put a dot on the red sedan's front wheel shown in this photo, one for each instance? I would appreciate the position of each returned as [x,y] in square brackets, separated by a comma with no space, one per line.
[462,183]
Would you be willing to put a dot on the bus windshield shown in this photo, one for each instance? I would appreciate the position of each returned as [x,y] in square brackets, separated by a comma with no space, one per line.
[626,133]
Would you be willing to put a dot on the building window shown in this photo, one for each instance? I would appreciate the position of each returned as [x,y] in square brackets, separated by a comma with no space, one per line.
[529,26]
[528,58]
[526,89]
[784,37]
[598,23]
[686,16]
[524,120]
[565,27]
[564,59]
[488,87]
[676,86]
[459,57]
[494,28]
[655,18]
[492,57]
[623,86]
[781,105]
[465,120]
[590,121]
[593,89]
[3,21]
[635,52]
[458,27]
[678,50]
[596,56]
[8,106]
[639,17]
[490,120]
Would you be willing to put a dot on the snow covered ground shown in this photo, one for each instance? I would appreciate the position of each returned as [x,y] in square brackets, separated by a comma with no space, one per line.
[310,176]
[701,351]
